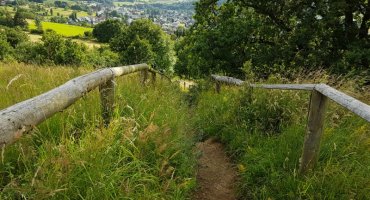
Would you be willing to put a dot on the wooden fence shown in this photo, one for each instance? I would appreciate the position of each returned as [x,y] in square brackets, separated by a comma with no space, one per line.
[22,117]
[316,115]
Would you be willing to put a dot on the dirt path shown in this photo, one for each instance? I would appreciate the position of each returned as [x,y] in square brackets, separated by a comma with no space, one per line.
[216,175]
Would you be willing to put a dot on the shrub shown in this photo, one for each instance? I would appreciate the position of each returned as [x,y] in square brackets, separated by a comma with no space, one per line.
[5,48]
[30,52]
[106,30]
[88,34]
[102,57]
[155,45]
[15,36]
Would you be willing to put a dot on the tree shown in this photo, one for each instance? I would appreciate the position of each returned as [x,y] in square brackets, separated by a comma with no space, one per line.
[38,24]
[61,51]
[5,48]
[73,16]
[139,51]
[20,19]
[6,18]
[108,29]
[148,37]
[53,47]
[278,36]
[15,36]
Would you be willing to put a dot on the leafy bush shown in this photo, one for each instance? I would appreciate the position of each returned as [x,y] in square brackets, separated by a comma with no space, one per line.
[88,34]
[154,45]
[107,30]
[29,52]
[14,36]
[102,57]
[5,47]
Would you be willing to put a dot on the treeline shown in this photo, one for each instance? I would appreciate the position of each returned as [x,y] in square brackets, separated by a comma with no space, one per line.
[18,20]
[53,49]
[141,41]
[264,37]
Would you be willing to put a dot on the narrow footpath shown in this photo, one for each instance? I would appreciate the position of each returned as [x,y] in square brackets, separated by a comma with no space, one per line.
[216,174]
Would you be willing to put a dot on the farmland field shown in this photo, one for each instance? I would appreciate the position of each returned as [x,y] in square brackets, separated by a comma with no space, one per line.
[89,43]
[62,29]
[66,12]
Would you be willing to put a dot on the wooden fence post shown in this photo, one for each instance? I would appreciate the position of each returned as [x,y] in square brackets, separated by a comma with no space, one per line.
[107,100]
[218,87]
[154,77]
[144,76]
[316,117]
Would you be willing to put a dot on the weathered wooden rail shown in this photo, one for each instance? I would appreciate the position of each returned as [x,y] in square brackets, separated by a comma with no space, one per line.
[22,117]
[316,115]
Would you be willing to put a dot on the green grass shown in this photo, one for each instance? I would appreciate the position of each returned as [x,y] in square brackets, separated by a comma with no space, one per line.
[264,133]
[66,13]
[62,29]
[145,153]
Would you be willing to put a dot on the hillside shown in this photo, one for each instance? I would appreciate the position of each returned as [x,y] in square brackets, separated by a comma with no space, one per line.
[145,153]
[148,149]
[62,29]
[210,100]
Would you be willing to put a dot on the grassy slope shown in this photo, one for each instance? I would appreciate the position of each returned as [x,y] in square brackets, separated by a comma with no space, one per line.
[90,43]
[144,154]
[146,151]
[66,13]
[62,29]
[264,131]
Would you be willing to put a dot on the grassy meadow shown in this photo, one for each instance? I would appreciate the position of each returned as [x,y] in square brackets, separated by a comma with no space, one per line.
[62,29]
[67,12]
[145,153]
[147,150]
[264,132]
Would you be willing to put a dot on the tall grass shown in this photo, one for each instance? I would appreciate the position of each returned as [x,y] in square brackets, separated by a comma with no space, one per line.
[145,153]
[264,133]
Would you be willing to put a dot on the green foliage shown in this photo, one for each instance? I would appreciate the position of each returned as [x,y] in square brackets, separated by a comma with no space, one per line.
[53,50]
[20,19]
[263,112]
[145,36]
[264,133]
[145,153]
[139,51]
[59,19]
[108,29]
[88,34]
[38,24]
[276,36]
[6,18]
[5,48]
[14,36]
[30,52]
[103,57]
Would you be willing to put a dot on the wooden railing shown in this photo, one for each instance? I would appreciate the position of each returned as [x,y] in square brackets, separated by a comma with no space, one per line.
[22,117]
[318,101]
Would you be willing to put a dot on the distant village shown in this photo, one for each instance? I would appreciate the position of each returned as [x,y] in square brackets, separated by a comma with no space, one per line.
[169,16]
[169,20]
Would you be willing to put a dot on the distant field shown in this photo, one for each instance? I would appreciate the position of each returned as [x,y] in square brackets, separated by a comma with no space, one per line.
[89,43]
[62,29]
[66,12]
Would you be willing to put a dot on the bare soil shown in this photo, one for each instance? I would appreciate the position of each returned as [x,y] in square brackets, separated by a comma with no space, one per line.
[216,174]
